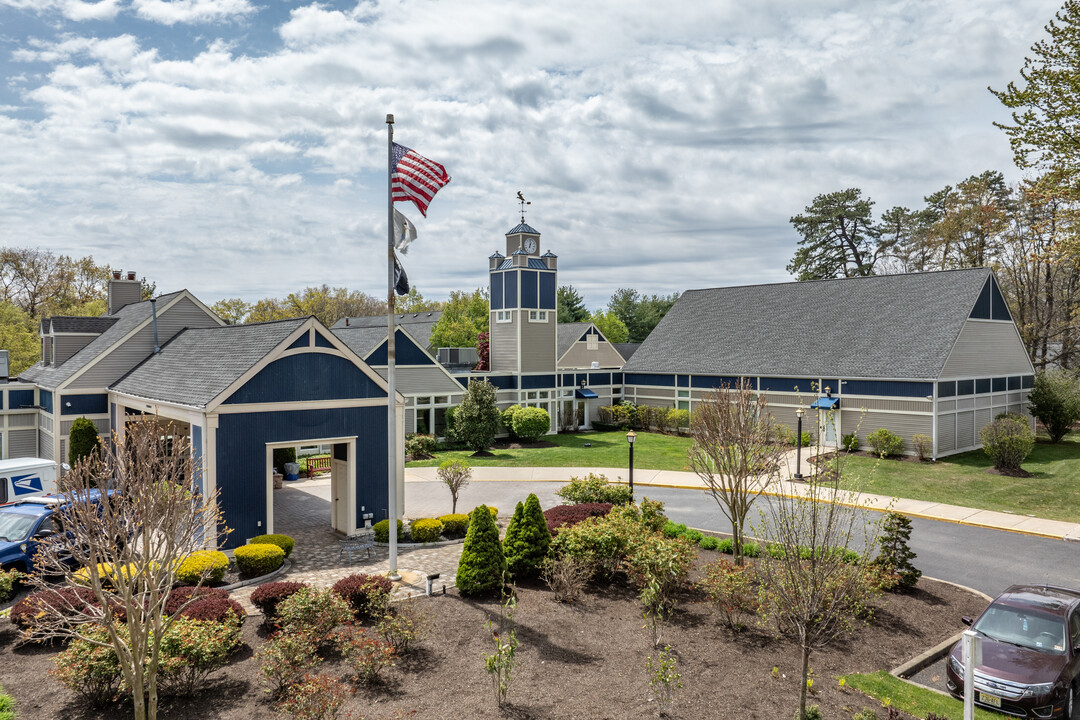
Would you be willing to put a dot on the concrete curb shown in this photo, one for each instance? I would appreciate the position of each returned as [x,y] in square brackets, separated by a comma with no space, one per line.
[285,567]
[931,656]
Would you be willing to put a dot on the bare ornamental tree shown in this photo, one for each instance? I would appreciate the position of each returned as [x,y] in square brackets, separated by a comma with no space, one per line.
[735,452]
[455,474]
[815,581]
[128,541]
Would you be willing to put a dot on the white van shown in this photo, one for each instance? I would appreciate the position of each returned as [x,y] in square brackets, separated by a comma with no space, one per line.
[26,477]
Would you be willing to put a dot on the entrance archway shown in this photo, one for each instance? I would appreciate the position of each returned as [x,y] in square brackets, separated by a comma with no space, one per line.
[339,498]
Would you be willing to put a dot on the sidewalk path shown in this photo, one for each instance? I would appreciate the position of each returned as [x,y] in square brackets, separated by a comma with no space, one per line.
[688,480]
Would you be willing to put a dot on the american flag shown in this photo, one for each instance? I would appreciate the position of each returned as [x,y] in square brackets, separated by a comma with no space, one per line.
[416,178]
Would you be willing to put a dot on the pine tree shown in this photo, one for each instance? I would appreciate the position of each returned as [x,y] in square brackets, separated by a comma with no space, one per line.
[527,539]
[482,565]
[82,440]
[894,553]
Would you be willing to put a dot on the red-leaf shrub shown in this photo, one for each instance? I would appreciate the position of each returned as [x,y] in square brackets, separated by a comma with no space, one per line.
[566,515]
[364,593]
[68,600]
[213,608]
[181,595]
[266,597]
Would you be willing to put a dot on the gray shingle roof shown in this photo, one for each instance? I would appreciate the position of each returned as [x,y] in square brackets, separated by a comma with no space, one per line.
[890,326]
[567,334]
[419,325]
[126,319]
[627,350]
[200,363]
[361,340]
[522,228]
[69,324]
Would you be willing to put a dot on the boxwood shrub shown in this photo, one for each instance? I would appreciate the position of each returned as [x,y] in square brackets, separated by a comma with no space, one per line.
[425,530]
[267,596]
[594,488]
[562,516]
[206,565]
[455,525]
[382,531]
[256,560]
[284,542]
[366,594]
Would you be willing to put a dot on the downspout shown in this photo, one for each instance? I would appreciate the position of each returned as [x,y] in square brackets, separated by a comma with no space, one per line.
[153,313]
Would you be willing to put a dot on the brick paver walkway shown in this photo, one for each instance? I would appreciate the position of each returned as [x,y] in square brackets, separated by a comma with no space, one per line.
[301,513]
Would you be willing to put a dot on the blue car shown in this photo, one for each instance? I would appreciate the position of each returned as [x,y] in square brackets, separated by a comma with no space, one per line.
[25,524]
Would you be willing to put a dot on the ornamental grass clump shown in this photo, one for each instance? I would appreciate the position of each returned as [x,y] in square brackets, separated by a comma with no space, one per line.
[284,542]
[202,566]
[527,539]
[482,566]
[258,560]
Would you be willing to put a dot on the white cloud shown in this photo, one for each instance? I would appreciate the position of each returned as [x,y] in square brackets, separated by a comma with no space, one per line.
[171,12]
[664,147]
[77,10]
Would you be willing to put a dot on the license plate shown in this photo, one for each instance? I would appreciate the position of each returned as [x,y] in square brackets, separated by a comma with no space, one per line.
[990,700]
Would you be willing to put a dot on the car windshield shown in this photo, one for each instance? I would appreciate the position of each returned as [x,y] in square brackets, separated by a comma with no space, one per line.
[1026,627]
[15,526]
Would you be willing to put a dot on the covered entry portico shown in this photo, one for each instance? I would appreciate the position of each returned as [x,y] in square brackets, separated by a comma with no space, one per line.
[342,516]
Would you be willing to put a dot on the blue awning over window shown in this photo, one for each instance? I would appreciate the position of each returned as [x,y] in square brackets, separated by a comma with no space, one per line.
[585,393]
[825,403]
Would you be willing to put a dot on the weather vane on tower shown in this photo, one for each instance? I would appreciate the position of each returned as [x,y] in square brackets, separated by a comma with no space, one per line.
[524,202]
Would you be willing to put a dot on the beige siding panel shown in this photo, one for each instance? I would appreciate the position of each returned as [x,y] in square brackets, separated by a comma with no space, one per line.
[22,443]
[946,405]
[965,404]
[788,398]
[503,345]
[410,420]
[946,438]
[185,314]
[652,402]
[986,348]
[22,420]
[655,392]
[63,451]
[965,430]
[903,425]
[982,419]
[983,401]
[428,380]
[579,356]
[538,345]
[889,404]
[101,424]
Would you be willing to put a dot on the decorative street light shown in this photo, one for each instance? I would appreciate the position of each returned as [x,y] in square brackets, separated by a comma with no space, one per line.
[798,446]
[630,438]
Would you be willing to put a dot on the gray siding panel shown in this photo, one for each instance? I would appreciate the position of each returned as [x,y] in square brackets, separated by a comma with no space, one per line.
[185,314]
[903,424]
[45,445]
[22,443]
[946,439]
[982,419]
[67,345]
[579,356]
[538,345]
[987,348]
[965,430]
[503,345]
[423,381]
[102,425]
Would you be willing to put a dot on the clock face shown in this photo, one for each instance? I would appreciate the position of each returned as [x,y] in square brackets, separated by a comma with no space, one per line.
[530,245]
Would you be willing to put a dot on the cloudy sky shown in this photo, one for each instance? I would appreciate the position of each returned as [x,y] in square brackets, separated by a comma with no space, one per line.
[238,147]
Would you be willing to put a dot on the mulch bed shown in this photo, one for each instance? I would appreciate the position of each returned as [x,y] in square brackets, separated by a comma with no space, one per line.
[575,661]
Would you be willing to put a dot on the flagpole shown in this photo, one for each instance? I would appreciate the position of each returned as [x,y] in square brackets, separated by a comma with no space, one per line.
[391,389]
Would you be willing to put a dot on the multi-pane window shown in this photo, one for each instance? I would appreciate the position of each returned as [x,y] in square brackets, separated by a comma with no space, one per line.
[504,316]
[538,316]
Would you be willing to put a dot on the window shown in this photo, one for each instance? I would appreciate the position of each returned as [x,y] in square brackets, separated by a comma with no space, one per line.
[684,393]
[538,316]
[592,342]
[504,316]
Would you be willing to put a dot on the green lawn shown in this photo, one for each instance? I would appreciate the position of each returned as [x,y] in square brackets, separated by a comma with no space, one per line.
[609,449]
[1053,491]
[910,698]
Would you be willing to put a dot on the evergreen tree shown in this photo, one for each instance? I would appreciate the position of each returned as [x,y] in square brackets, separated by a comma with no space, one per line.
[839,237]
[482,565]
[527,539]
[477,418]
[82,440]
[894,553]
[571,305]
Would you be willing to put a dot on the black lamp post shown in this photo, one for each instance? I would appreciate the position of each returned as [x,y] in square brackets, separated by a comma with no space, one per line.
[630,438]
[798,446]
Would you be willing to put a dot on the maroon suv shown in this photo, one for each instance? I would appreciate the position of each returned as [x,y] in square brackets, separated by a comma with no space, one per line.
[1030,653]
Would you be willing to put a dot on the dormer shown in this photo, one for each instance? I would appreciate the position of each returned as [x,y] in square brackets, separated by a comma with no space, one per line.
[551,260]
[68,335]
[494,261]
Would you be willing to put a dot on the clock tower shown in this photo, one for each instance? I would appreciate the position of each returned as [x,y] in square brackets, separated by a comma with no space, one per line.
[522,309]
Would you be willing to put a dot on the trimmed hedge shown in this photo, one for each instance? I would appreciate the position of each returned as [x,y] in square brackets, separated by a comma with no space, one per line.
[266,597]
[455,525]
[364,593]
[594,488]
[567,515]
[179,596]
[257,560]
[26,610]
[202,564]
[215,609]
[382,531]
[284,542]
[425,530]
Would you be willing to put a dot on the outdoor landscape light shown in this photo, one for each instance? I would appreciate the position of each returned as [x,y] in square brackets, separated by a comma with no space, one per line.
[630,438]
[798,446]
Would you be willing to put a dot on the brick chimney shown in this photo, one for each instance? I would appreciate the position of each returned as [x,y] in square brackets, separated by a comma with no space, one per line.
[123,291]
